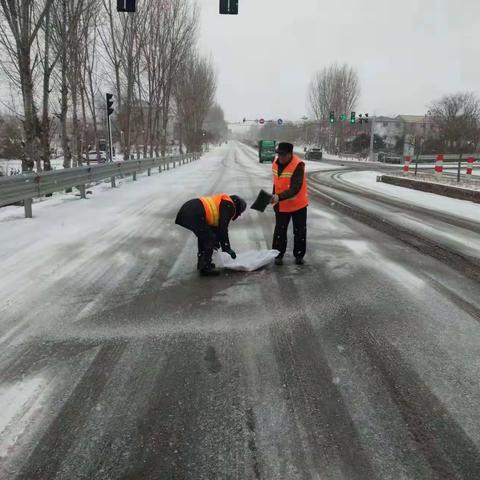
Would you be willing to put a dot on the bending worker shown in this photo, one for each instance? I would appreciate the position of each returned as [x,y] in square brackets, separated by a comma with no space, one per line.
[290,199]
[208,218]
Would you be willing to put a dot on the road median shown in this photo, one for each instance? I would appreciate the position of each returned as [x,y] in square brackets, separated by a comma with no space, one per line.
[429,185]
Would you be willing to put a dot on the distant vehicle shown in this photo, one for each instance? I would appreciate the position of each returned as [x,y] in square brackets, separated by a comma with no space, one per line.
[92,157]
[313,153]
[266,150]
[387,157]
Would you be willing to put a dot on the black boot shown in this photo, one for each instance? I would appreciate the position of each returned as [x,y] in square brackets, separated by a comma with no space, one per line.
[206,267]
[209,272]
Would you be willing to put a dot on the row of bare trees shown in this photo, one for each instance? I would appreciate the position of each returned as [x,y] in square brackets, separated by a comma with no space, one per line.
[62,56]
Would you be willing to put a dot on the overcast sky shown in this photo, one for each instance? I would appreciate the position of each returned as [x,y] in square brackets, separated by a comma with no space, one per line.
[406,52]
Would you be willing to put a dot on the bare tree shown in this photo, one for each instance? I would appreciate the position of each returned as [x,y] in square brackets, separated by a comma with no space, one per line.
[67,45]
[122,39]
[457,120]
[48,66]
[183,21]
[195,94]
[20,23]
[215,123]
[90,76]
[170,34]
[335,88]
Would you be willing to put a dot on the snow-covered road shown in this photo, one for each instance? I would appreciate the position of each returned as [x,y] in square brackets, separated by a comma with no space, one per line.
[118,361]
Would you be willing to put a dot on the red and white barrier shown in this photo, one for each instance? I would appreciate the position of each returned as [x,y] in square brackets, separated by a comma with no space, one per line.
[470,161]
[406,164]
[439,164]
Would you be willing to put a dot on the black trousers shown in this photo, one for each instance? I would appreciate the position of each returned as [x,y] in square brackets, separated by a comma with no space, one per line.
[282,220]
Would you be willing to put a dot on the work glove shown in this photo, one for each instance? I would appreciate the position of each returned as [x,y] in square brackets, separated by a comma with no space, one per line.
[275,199]
[231,253]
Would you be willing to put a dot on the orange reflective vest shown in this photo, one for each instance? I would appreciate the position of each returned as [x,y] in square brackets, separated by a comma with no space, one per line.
[212,207]
[282,183]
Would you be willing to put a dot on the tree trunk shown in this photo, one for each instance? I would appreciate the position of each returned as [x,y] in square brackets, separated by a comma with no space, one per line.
[76,147]
[84,148]
[180,137]
[30,122]
[45,136]
[67,154]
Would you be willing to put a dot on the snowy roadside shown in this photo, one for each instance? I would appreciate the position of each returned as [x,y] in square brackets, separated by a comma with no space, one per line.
[451,206]
[14,167]
[13,212]
[61,203]
[300,150]
[465,183]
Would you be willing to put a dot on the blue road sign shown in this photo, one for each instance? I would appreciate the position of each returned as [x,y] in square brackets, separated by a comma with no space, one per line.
[280,121]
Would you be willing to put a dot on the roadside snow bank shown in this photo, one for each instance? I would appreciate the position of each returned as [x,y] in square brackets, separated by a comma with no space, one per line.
[451,206]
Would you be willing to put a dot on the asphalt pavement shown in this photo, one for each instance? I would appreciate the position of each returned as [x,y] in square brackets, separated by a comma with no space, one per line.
[362,364]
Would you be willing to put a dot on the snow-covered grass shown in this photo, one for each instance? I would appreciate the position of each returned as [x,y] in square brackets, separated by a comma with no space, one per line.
[14,212]
[9,167]
[10,213]
[451,206]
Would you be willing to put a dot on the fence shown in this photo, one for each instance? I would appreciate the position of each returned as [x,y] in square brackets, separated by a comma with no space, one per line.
[441,164]
[448,157]
[24,188]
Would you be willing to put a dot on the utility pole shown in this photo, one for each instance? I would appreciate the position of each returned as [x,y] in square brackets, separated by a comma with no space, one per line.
[372,137]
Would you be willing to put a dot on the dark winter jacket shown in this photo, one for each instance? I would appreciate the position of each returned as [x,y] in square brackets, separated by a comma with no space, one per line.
[192,216]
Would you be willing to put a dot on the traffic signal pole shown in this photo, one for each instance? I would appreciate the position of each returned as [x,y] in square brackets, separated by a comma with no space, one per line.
[372,137]
[109,111]
[109,128]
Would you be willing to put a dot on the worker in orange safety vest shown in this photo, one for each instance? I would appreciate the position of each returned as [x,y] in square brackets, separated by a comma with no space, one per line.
[209,218]
[290,200]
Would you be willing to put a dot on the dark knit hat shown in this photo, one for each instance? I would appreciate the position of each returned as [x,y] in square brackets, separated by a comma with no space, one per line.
[240,205]
[284,147]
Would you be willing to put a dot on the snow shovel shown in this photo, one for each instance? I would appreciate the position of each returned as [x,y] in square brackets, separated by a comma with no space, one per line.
[263,200]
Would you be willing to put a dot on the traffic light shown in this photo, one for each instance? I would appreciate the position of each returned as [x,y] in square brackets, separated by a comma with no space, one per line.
[343,117]
[353,118]
[360,119]
[366,118]
[109,103]
[229,7]
[332,117]
[126,6]
[244,120]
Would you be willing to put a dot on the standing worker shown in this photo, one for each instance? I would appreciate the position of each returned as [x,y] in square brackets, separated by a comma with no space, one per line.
[290,200]
[208,218]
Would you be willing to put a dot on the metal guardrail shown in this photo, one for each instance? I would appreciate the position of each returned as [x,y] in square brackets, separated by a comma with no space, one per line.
[24,188]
